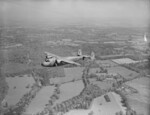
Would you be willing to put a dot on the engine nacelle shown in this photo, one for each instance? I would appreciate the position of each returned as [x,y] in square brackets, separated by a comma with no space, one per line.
[52,60]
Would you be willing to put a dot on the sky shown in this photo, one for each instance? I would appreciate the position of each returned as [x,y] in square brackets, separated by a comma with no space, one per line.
[60,12]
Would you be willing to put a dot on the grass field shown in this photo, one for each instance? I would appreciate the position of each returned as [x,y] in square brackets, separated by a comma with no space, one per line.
[101,107]
[124,61]
[41,99]
[69,90]
[74,73]
[124,72]
[17,88]
[140,102]
[106,63]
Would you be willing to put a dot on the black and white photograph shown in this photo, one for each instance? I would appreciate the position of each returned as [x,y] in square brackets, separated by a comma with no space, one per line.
[74,57]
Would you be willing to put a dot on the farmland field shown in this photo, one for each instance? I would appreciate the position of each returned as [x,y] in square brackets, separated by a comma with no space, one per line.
[110,29]
[140,101]
[18,86]
[100,106]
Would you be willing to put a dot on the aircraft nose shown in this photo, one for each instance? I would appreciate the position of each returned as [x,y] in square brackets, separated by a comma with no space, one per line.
[43,64]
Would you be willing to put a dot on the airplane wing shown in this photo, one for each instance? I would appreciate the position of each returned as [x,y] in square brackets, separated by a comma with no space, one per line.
[87,56]
[51,55]
[69,62]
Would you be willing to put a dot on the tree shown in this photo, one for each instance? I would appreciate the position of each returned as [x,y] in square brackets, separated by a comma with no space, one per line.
[119,113]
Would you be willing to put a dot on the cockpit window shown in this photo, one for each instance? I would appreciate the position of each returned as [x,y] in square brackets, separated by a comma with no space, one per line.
[46,59]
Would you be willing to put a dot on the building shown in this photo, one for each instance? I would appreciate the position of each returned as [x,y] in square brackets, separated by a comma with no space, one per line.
[107,98]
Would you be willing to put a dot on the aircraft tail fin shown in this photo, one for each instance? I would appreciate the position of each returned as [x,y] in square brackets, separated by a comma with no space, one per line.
[79,52]
[92,56]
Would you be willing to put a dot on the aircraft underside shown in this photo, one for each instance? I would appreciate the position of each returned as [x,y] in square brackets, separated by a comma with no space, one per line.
[55,64]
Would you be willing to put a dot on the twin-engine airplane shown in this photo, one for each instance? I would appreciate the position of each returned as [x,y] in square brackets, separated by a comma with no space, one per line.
[52,60]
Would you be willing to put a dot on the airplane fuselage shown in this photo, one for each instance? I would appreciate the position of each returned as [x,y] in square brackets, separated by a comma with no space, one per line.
[52,60]
[58,62]
[50,64]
